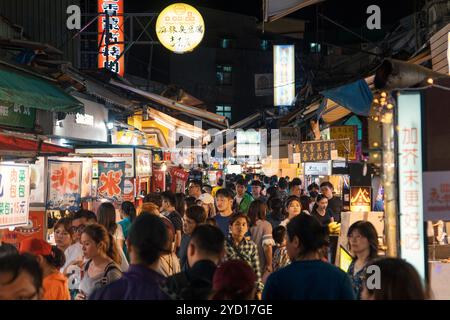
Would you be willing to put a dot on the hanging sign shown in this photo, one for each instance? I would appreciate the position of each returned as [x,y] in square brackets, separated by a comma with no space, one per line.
[321,150]
[360,199]
[180,28]
[111,28]
[64,185]
[111,176]
[409,139]
[14,195]
[179,179]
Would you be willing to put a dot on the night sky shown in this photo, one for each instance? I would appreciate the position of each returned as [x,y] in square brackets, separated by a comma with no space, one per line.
[352,13]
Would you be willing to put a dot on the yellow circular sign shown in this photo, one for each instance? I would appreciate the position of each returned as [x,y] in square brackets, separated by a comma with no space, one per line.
[180,27]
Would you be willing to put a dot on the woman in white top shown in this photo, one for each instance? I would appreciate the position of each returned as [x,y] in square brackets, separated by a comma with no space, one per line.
[293,209]
[106,215]
[102,266]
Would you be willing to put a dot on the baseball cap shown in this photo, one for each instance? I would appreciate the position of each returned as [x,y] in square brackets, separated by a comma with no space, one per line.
[206,198]
[35,246]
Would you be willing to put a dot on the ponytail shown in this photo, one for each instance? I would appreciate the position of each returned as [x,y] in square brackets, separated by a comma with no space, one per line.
[56,258]
[129,209]
[113,251]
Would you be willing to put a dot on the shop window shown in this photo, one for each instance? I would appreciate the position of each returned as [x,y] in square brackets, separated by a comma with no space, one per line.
[224,110]
[314,47]
[224,74]
[264,44]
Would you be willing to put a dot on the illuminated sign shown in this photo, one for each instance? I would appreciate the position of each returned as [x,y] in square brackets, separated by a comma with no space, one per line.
[180,28]
[409,141]
[317,168]
[284,75]
[248,143]
[14,195]
[345,132]
[360,199]
[111,29]
[345,259]
[86,119]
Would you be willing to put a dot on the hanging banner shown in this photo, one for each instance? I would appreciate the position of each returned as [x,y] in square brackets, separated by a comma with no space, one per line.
[86,181]
[159,180]
[111,176]
[167,156]
[409,139]
[143,163]
[14,195]
[360,199]
[284,75]
[121,154]
[179,179]
[64,185]
[111,29]
[158,155]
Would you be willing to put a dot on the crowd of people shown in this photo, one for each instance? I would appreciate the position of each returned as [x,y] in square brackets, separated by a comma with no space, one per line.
[248,237]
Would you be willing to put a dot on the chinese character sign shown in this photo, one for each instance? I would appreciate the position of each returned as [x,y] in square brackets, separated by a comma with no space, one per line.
[14,195]
[317,151]
[180,28]
[179,179]
[346,132]
[410,181]
[111,176]
[284,75]
[436,188]
[64,185]
[159,180]
[111,28]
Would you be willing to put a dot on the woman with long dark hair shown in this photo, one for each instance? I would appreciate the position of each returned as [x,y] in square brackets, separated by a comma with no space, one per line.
[307,277]
[128,215]
[103,265]
[276,215]
[106,215]
[261,234]
[363,243]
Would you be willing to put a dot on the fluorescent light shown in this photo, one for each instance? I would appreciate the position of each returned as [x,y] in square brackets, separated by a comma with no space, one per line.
[110,125]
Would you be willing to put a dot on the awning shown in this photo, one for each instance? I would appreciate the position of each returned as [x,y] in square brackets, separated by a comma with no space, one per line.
[190,111]
[20,88]
[276,9]
[11,144]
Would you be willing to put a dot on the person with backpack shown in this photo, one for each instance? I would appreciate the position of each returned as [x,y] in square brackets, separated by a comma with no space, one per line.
[146,242]
[103,265]
[206,249]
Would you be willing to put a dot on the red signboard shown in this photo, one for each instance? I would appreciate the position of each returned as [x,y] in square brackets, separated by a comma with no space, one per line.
[159,181]
[179,179]
[36,229]
[111,28]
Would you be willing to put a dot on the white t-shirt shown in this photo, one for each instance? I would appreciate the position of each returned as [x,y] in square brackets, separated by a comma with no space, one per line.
[118,235]
[72,253]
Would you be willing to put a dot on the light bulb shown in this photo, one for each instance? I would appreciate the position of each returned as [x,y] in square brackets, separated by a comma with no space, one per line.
[430,81]
[383,94]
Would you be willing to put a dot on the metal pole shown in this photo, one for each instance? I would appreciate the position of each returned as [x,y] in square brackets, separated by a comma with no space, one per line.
[390,193]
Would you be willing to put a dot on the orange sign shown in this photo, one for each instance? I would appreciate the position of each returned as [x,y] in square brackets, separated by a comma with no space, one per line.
[360,199]
[111,30]
[36,229]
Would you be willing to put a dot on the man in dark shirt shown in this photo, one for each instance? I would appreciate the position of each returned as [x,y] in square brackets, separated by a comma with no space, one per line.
[224,200]
[146,240]
[168,210]
[206,249]
[195,215]
[334,203]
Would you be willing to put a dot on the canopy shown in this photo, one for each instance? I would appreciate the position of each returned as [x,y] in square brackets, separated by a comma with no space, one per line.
[21,88]
[276,9]
[14,143]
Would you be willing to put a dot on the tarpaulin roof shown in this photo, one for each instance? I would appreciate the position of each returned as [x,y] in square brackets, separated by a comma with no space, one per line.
[15,143]
[276,9]
[20,88]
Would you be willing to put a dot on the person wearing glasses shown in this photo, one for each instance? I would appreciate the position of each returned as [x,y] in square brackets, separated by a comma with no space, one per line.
[195,188]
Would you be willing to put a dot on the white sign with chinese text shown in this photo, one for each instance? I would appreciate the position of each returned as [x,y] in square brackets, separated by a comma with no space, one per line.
[14,195]
[284,74]
[436,195]
[180,28]
[412,247]
[317,168]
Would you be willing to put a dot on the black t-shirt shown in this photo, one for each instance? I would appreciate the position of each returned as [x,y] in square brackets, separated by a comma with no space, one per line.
[324,220]
[335,205]
[176,220]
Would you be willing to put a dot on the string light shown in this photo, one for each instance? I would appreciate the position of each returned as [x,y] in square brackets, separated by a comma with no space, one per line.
[390,106]
[383,94]
[430,81]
